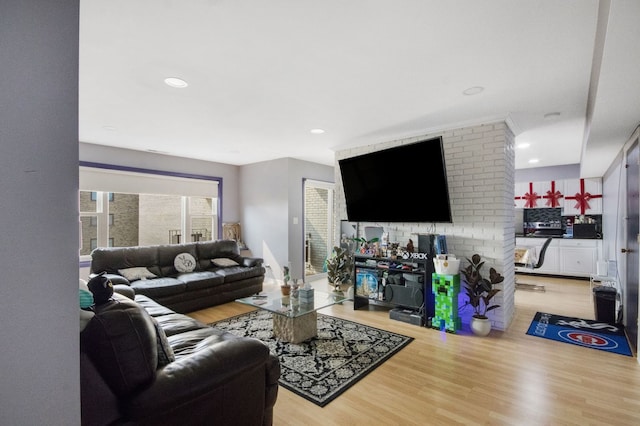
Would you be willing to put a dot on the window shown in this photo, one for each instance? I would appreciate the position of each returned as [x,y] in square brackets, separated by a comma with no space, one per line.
[94,219]
[154,209]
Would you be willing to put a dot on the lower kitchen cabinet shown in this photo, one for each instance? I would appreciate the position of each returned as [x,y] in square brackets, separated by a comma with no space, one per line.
[578,257]
[569,257]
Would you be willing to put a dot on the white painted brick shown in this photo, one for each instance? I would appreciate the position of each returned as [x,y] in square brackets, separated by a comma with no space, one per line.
[480,169]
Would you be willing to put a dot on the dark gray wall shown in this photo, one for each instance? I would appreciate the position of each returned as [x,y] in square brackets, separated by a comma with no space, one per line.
[39,374]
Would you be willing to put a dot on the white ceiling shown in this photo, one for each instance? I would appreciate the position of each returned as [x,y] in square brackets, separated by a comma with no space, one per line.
[262,74]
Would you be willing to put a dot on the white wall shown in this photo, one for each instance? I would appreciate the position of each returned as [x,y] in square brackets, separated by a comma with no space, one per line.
[613,226]
[39,361]
[271,195]
[480,164]
[538,174]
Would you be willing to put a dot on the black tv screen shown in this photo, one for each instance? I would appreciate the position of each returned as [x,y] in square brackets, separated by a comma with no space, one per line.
[407,183]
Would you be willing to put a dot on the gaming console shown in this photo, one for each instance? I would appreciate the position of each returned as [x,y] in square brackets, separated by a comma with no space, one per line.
[406,315]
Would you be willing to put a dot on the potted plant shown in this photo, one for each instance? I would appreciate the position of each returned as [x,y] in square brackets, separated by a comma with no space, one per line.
[367,246]
[286,277]
[339,267]
[480,291]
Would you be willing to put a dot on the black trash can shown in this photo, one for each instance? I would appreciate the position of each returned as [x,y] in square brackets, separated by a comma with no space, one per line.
[604,303]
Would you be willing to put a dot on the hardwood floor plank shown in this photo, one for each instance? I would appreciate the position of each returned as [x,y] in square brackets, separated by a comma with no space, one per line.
[506,378]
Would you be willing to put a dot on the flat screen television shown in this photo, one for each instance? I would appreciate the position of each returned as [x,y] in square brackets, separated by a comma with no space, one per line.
[406,183]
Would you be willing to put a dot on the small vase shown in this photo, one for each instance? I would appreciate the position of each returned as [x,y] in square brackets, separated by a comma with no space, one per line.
[480,326]
[286,290]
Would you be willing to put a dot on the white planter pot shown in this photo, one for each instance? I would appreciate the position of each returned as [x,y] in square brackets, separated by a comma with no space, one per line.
[480,326]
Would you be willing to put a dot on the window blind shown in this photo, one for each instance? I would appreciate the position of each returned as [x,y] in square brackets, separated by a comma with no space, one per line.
[148,182]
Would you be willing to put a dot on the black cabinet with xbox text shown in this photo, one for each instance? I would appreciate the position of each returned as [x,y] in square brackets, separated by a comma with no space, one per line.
[395,283]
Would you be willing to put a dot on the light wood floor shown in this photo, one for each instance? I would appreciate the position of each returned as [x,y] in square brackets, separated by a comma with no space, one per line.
[506,378]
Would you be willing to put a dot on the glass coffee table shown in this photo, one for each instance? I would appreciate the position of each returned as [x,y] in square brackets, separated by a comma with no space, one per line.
[293,321]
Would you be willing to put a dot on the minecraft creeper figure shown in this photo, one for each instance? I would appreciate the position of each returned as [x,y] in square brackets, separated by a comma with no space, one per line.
[446,289]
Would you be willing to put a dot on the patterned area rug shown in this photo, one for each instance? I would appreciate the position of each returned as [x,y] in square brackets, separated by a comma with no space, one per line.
[323,367]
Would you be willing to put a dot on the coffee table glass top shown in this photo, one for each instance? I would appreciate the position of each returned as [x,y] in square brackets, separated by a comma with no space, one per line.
[291,306]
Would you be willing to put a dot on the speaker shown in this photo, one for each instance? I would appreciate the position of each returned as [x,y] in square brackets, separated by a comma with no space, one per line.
[412,297]
[427,244]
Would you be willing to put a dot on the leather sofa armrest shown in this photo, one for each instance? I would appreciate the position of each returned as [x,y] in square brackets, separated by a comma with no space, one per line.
[124,290]
[252,261]
[231,377]
[117,279]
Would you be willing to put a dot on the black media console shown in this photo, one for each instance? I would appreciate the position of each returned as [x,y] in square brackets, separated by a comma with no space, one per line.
[395,283]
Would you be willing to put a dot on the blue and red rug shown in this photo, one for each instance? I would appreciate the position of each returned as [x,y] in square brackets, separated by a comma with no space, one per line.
[577,331]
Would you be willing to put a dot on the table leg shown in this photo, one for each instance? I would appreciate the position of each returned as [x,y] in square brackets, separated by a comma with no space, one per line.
[296,329]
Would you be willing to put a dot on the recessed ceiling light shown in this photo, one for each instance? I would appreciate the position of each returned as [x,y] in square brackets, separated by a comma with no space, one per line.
[175,82]
[317,131]
[533,161]
[473,90]
[523,145]
[551,115]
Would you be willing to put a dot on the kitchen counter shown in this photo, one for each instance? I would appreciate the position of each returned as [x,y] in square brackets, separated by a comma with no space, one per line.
[565,256]
[559,237]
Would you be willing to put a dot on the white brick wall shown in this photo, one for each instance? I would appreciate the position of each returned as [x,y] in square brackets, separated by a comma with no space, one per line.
[480,164]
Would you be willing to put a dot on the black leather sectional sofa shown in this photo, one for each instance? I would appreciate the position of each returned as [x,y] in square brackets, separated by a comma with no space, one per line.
[143,364]
[183,277]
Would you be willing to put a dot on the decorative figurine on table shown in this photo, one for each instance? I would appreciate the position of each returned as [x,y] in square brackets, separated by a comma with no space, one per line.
[410,247]
[294,288]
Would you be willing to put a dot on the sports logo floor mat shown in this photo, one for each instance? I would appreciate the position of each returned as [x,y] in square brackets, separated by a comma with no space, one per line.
[577,331]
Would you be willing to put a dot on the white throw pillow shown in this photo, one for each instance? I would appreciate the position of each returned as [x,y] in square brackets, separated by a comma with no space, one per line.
[223,261]
[137,273]
[184,262]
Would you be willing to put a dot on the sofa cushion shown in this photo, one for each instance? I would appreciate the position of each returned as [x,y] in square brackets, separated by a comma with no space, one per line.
[199,280]
[165,353]
[110,259]
[167,254]
[152,307]
[237,273]
[177,323]
[122,343]
[190,342]
[159,287]
[184,262]
[208,250]
[136,273]
[223,262]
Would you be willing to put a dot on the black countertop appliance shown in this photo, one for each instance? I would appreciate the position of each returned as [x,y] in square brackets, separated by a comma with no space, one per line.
[585,230]
[546,229]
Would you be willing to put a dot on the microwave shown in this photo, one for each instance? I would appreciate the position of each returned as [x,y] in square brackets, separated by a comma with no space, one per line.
[584,230]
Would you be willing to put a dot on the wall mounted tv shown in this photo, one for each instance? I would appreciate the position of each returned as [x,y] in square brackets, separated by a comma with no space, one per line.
[406,183]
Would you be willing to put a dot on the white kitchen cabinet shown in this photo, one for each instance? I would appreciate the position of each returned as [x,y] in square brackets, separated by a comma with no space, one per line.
[546,194]
[565,257]
[521,188]
[578,257]
[550,264]
[530,194]
[582,196]
[553,194]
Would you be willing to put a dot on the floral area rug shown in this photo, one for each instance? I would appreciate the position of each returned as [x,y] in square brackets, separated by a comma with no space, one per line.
[322,367]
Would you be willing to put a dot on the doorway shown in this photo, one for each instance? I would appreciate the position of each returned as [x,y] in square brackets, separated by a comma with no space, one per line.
[318,226]
[631,247]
